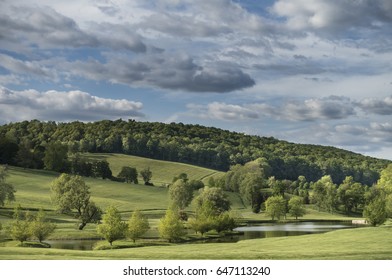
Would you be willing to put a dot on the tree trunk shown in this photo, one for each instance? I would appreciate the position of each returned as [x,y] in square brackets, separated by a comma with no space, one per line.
[82,225]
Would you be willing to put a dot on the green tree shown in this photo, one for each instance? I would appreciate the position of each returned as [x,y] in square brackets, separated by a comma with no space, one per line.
[170,227]
[101,169]
[56,157]
[278,187]
[375,211]
[385,181]
[181,194]
[225,221]
[137,225]
[90,213]
[146,174]
[216,197]
[20,227]
[112,227]
[196,184]
[250,189]
[40,228]
[384,184]
[275,207]
[324,194]
[70,192]
[7,191]
[204,219]
[350,194]
[296,207]
[182,176]
[129,174]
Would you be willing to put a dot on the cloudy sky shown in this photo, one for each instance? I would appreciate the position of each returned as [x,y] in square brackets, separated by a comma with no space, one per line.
[306,71]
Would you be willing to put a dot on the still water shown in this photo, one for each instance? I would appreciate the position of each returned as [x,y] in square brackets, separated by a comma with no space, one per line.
[266,230]
[289,229]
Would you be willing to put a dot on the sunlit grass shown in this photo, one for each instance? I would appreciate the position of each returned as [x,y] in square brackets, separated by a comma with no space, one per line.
[354,244]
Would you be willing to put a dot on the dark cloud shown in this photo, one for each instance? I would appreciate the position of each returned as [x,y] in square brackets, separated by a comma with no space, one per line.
[377,106]
[43,27]
[169,72]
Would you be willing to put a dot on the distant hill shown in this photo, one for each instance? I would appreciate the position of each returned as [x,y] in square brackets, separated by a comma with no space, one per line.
[194,144]
[163,171]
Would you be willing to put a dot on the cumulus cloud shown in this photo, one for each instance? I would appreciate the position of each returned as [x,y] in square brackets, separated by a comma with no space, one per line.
[333,107]
[329,108]
[333,15]
[377,106]
[46,28]
[175,72]
[63,106]
[33,68]
[43,27]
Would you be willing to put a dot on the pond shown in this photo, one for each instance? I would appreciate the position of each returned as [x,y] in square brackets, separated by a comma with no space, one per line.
[268,230]
[83,245]
[264,230]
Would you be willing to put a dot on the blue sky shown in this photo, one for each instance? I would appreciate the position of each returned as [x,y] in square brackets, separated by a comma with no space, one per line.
[314,71]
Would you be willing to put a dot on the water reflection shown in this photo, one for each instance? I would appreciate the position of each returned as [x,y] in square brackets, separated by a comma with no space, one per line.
[73,244]
[288,229]
[266,230]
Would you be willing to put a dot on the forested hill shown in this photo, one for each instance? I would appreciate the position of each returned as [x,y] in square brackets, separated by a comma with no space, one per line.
[204,146]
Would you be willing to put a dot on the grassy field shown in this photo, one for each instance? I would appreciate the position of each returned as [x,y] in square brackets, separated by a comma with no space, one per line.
[162,171]
[33,192]
[353,244]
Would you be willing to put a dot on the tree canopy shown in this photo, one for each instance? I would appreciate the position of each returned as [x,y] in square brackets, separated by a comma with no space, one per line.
[195,144]
[7,191]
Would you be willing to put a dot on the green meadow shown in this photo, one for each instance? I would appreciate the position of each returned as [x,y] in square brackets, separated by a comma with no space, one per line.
[352,244]
[163,171]
[33,193]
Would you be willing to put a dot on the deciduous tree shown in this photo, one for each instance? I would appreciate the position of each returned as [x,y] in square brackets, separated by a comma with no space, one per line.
[112,227]
[7,191]
[70,192]
[40,228]
[375,211]
[146,174]
[181,194]
[55,158]
[275,207]
[216,197]
[170,227]
[129,174]
[137,225]
[296,207]
[20,227]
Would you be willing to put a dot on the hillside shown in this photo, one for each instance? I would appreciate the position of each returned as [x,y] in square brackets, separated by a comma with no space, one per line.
[194,144]
[33,186]
[163,171]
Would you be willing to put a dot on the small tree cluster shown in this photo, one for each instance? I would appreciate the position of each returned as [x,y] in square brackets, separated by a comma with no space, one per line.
[128,174]
[113,228]
[207,218]
[277,207]
[25,226]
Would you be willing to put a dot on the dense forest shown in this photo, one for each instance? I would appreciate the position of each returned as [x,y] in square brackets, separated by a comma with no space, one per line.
[25,143]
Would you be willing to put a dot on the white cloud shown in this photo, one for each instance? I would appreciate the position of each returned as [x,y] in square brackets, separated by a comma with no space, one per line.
[333,15]
[63,106]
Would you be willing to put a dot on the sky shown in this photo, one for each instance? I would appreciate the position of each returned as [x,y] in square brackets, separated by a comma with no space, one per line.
[305,71]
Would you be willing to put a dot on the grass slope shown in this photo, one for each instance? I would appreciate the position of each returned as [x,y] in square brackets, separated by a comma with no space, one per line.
[162,171]
[353,244]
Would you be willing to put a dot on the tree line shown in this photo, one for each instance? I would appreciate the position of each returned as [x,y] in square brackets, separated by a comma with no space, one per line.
[26,143]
